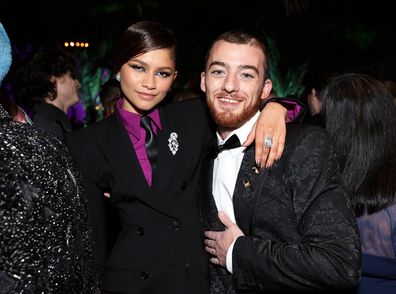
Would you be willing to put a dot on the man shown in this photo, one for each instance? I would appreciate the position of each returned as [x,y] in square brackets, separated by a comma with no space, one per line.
[48,83]
[284,229]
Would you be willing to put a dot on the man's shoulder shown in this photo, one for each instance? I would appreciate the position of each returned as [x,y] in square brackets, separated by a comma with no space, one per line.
[296,134]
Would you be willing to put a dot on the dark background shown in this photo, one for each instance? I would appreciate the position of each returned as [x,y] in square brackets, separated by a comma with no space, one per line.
[358,35]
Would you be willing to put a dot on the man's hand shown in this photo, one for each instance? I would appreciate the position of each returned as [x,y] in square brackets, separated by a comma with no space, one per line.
[217,243]
[271,124]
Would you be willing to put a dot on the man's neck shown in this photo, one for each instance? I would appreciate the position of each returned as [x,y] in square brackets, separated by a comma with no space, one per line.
[242,132]
[224,132]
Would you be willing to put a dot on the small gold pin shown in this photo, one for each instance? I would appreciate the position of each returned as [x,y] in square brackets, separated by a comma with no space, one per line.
[255,170]
[246,183]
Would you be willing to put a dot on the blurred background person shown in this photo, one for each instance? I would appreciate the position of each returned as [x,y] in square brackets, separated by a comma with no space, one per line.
[47,82]
[360,116]
[109,93]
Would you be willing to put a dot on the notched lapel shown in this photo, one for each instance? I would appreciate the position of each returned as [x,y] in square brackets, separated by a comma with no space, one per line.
[119,152]
[208,204]
[167,161]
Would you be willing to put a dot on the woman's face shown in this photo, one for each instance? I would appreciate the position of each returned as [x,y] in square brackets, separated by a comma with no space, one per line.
[146,79]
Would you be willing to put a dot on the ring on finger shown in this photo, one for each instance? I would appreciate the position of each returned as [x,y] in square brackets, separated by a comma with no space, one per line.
[268,142]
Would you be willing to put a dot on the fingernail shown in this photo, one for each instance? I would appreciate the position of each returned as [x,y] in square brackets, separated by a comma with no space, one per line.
[258,163]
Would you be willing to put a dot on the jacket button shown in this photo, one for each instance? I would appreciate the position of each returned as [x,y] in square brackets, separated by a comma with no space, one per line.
[187,266]
[140,231]
[144,275]
[176,225]
[183,186]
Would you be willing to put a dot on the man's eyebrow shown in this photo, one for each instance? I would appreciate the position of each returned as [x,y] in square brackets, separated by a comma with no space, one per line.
[252,67]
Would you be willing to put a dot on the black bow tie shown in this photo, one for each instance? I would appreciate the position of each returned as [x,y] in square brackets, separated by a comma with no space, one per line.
[231,143]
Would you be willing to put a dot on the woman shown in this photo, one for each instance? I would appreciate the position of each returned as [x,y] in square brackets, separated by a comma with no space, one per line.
[158,248]
[361,117]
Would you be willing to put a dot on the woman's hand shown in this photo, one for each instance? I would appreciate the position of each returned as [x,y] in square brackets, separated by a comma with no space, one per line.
[270,124]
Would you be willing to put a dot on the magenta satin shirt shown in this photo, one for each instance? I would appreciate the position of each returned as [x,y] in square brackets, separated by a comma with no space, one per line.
[137,135]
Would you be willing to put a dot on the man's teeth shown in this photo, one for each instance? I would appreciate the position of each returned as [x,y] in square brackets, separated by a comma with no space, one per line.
[228,100]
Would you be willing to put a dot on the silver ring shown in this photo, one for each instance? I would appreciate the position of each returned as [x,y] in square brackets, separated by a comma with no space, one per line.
[268,142]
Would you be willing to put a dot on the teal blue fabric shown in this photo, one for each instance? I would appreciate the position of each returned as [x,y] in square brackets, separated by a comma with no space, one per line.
[5,53]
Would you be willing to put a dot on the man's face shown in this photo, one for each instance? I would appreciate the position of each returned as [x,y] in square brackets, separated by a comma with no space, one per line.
[234,83]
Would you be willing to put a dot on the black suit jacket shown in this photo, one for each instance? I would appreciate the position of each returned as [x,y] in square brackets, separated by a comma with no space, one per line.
[159,246]
[300,233]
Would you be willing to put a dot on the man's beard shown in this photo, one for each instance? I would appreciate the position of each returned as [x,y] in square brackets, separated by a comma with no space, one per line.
[227,120]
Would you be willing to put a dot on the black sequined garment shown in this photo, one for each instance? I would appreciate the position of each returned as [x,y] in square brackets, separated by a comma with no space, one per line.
[45,244]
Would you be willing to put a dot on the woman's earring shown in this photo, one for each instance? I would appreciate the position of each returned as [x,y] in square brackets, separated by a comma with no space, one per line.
[118,76]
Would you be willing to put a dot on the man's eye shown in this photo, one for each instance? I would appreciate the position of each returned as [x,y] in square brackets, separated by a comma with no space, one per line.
[247,76]
[217,72]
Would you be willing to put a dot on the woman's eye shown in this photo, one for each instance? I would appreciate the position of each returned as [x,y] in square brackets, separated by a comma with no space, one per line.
[137,67]
[164,74]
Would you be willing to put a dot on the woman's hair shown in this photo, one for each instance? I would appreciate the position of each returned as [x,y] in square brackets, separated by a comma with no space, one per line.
[143,37]
[361,118]
[33,79]
[242,38]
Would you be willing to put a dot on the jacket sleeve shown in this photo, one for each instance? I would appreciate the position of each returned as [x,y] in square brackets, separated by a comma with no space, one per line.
[21,231]
[326,254]
[295,108]
[97,205]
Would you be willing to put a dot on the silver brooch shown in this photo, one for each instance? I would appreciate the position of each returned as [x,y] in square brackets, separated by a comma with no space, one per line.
[173,143]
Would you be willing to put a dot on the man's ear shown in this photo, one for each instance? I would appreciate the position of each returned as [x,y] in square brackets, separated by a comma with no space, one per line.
[203,86]
[266,89]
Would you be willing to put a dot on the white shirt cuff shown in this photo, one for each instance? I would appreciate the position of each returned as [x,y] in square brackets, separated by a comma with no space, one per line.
[229,257]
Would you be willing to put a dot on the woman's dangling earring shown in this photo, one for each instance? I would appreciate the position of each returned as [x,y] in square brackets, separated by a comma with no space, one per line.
[118,76]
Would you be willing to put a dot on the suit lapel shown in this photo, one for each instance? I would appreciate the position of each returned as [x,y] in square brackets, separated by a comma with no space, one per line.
[208,204]
[168,162]
[246,191]
[119,152]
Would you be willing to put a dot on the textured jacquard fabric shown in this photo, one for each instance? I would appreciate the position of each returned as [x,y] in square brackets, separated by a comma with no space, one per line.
[301,234]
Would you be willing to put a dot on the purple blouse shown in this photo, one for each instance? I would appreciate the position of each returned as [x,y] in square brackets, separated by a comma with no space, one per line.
[378,232]
[137,135]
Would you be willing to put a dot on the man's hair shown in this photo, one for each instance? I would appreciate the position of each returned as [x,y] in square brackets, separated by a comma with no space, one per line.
[33,78]
[243,38]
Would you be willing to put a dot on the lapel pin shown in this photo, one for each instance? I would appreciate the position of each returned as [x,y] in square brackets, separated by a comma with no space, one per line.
[246,183]
[173,144]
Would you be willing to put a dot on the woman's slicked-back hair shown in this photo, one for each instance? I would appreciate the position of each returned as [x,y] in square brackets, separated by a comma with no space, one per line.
[143,37]
[361,118]
[243,38]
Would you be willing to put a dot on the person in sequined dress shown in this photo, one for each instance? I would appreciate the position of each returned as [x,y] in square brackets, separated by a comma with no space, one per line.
[45,240]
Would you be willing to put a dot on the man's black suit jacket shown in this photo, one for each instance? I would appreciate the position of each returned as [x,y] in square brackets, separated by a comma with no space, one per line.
[159,248]
[300,233]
